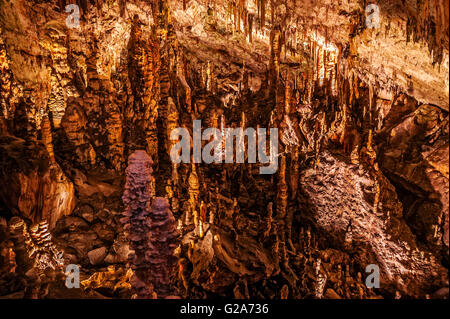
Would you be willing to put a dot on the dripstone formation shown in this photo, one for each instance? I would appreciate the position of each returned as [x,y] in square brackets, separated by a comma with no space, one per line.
[87,114]
[150,231]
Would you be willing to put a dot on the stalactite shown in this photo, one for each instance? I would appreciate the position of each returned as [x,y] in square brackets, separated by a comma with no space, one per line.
[274,64]
[237,17]
[272,13]
[262,17]
[245,19]
[351,89]
[167,55]
[429,25]
[56,104]
[172,123]
[250,27]
[287,94]
[370,150]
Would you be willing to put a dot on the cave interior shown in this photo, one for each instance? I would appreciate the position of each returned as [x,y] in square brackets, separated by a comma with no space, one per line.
[353,96]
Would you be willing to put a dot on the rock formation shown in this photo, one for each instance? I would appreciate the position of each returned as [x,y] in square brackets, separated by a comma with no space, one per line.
[137,221]
[151,232]
[163,242]
[357,89]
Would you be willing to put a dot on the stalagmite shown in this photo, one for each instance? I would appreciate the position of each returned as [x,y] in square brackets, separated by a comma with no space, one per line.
[188,216]
[284,292]
[212,216]
[235,17]
[24,124]
[274,63]
[287,94]
[136,221]
[172,123]
[250,27]
[269,220]
[42,249]
[282,197]
[196,219]
[152,271]
[208,77]
[194,188]
[200,229]
[369,149]
[46,136]
[203,212]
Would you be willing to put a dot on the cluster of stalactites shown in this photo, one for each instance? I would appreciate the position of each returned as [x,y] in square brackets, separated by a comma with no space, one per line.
[261,13]
[86,4]
[239,14]
[150,230]
[430,25]
[46,137]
